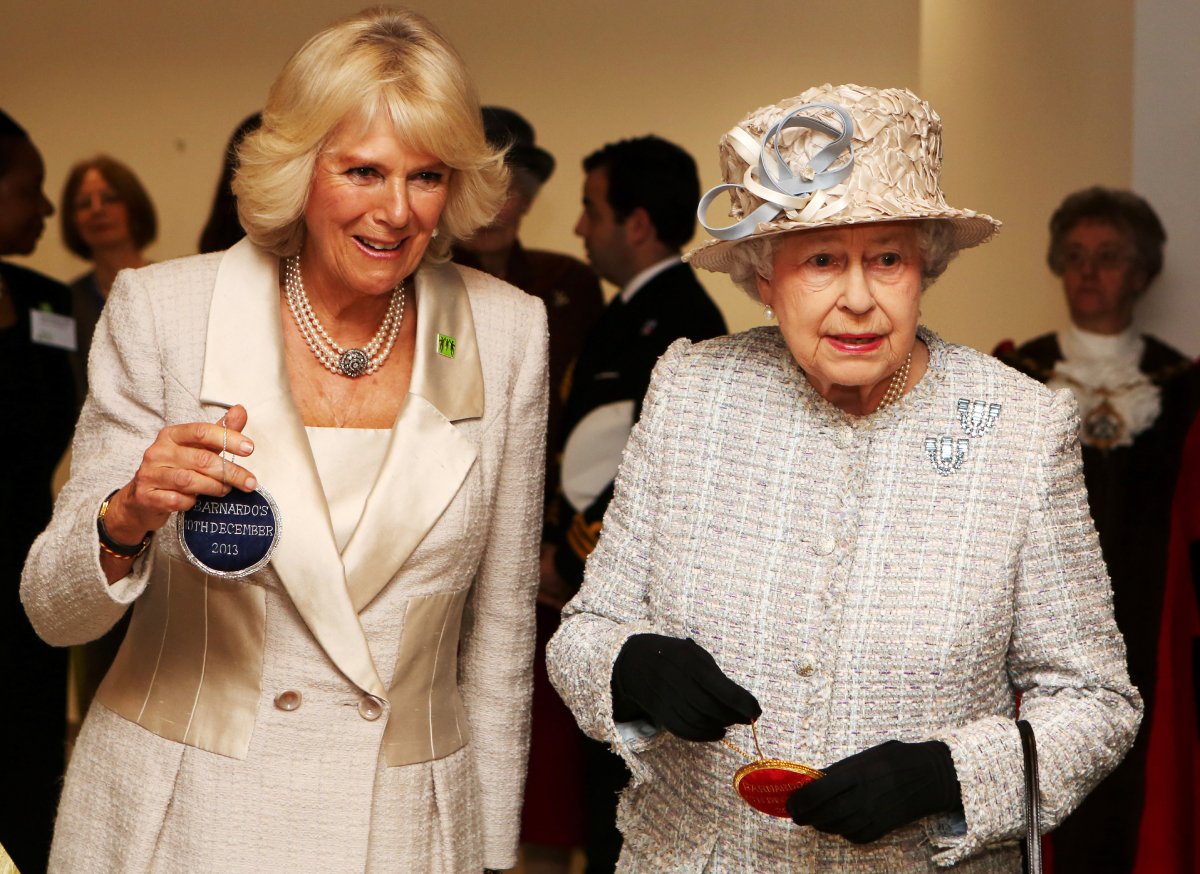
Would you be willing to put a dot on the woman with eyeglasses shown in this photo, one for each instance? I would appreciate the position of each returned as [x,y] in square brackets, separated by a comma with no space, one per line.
[1136,398]
[108,220]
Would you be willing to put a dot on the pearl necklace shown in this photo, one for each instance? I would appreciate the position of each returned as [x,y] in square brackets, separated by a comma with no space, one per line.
[344,362]
[896,384]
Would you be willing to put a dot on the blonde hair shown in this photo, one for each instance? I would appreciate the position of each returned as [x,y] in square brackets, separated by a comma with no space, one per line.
[381,60]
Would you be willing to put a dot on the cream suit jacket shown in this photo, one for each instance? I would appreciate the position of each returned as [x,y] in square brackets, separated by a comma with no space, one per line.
[866,585]
[410,651]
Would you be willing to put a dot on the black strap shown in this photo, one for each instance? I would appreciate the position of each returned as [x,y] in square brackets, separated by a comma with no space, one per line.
[1031,846]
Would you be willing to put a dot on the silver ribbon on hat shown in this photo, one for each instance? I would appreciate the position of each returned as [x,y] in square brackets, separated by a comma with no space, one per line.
[769,178]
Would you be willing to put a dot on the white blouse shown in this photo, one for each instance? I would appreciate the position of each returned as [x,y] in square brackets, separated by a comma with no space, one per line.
[348,461]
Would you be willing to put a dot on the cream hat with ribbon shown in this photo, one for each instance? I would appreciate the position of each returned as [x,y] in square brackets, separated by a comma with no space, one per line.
[835,155]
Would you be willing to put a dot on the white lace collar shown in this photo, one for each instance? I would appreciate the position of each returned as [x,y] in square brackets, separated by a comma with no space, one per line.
[1117,402]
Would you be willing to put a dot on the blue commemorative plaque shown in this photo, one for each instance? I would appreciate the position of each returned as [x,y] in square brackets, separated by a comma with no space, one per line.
[231,536]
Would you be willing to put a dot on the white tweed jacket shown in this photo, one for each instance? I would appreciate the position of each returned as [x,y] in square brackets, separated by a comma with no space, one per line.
[901,575]
[325,713]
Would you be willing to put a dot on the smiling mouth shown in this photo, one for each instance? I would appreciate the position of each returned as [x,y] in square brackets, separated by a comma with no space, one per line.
[379,247]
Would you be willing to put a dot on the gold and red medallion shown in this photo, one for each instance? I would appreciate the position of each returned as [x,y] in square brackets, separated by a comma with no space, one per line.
[766,784]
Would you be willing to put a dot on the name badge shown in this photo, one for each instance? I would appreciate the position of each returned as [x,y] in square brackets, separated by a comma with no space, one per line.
[232,536]
[52,329]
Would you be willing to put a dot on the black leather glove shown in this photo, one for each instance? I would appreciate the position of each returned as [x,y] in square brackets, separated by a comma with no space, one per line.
[676,684]
[871,793]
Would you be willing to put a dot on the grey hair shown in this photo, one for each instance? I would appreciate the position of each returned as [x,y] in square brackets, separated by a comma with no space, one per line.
[754,258]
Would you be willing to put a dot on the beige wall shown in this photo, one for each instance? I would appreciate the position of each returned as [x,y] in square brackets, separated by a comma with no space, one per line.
[1166,127]
[1035,97]
[160,86]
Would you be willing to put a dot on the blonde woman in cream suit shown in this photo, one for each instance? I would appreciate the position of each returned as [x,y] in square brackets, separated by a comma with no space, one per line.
[361,702]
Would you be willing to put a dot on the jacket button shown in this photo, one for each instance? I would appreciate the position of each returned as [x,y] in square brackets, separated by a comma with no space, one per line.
[370,708]
[289,700]
[824,545]
[804,669]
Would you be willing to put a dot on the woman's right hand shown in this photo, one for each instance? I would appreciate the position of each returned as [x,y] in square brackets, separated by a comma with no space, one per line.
[678,686]
[184,461]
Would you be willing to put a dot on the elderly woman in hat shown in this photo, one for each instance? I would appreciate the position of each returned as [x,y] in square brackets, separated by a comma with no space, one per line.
[313,465]
[859,539]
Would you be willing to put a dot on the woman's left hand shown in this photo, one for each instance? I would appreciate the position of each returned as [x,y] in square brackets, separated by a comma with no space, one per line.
[874,792]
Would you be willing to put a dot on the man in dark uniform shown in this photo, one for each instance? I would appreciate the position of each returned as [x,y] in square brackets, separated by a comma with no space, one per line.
[567,286]
[639,210]
[37,394]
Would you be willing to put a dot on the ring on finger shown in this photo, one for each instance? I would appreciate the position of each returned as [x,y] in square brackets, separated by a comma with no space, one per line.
[224,445]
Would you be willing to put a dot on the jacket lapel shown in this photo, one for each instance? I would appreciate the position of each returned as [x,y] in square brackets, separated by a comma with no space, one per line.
[427,457]
[244,364]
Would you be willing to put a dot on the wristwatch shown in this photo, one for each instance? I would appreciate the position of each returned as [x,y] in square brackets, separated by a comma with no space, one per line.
[123,551]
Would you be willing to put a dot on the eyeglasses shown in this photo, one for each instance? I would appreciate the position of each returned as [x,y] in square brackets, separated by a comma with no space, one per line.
[1106,259]
[97,200]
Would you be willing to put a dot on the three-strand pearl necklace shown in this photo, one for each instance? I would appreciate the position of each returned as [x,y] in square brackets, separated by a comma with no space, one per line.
[344,362]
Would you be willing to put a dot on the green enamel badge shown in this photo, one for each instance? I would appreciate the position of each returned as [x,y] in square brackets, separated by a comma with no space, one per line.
[446,345]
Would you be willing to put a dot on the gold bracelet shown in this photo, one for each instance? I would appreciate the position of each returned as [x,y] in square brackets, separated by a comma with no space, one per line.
[121,557]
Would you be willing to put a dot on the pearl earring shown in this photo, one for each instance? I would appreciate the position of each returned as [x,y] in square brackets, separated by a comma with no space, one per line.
[768,314]
[434,234]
